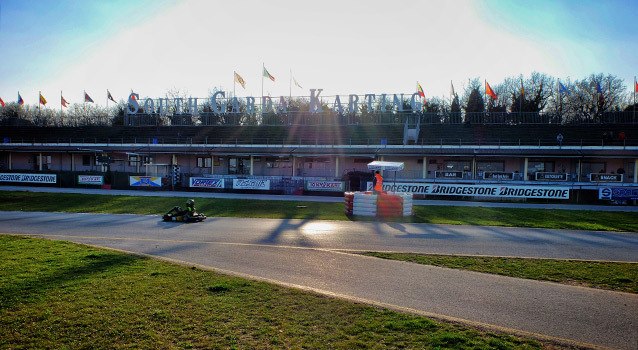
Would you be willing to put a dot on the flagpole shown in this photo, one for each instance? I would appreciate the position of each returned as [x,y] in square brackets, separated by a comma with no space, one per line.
[263,67]
[60,103]
[290,86]
[635,99]
[39,100]
[234,82]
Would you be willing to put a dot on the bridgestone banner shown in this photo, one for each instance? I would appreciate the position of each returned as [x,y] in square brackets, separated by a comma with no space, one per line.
[29,178]
[495,190]
[251,184]
[206,182]
[329,186]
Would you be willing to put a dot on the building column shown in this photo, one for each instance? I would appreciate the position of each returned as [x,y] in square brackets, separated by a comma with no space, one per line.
[212,164]
[425,167]
[336,167]
[580,164]
[294,164]
[72,161]
[251,165]
[474,168]
[635,170]
[40,162]
[525,176]
[10,167]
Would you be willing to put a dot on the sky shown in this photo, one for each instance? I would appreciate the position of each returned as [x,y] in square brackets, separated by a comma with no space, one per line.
[342,47]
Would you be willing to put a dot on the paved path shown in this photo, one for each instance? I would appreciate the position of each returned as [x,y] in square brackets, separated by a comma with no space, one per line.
[313,255]
[314,198]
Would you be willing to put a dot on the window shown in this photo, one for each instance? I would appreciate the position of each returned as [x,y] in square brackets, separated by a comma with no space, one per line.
[132,160]
[490,166]
[593,167]
[458,165]
[540,166]
[204,162]
[86,160]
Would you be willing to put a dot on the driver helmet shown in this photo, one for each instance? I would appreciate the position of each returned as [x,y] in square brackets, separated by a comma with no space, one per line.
[190,202]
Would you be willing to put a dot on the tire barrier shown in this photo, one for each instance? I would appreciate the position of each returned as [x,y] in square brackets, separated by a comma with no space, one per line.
[384,205]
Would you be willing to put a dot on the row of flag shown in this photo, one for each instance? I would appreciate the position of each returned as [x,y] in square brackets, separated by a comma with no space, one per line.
[266,74]
[240,80]
[63,102]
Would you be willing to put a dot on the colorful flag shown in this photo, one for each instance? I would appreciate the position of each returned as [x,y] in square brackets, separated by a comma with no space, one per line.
[87,98]
[296,83]
[240,80]
[635,86]
[108,95]
[63,101]
[563,89]
[451,89]
[489,91]
[267,75]
[20,100]
[420,90]
[522,88]
[1,102]
[42,100]
[600,91]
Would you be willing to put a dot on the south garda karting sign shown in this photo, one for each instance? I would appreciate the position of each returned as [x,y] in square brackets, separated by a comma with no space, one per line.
[251,184]
[328,186]
[145,181]
[221,105]
[496,190]
[90,180]
[29,178]
[618,193]
[205,182]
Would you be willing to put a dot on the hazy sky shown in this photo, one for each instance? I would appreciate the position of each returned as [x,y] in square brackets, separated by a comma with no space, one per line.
[343,47]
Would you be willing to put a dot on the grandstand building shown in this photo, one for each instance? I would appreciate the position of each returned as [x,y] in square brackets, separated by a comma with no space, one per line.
[485,156]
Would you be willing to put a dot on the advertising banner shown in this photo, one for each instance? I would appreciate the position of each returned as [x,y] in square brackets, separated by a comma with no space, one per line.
[90,180]
[494,190]
[491,175]
[541,176]
[251,184]
[448,174]
[206,182]
[29,178]
[329,186]
[596,177]
[618,193]
[145,181]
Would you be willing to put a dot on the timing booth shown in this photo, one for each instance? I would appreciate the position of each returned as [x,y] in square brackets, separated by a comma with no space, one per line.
[386,204]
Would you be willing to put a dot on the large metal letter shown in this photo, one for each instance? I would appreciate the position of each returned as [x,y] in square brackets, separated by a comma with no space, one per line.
[315,104]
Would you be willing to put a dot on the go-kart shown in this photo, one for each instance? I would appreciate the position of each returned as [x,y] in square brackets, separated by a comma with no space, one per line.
[196,217]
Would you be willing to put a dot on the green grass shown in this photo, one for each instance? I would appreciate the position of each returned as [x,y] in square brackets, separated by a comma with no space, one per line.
[537,218]
[617,276]
[56,294]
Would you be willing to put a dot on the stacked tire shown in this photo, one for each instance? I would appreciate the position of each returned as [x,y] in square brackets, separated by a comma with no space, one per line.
[365,204]
[407,209]
[349,202]
[389,206]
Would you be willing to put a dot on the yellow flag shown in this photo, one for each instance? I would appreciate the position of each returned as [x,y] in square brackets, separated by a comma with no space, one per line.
[240,80]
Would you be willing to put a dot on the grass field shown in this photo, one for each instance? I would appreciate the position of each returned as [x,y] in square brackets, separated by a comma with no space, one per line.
[538,218]
[605,275]
[61,295]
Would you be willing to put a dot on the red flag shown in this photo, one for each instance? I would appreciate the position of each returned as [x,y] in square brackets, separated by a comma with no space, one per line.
[420,90]
[1,102]
[636,86]
[63,101]
[489,91]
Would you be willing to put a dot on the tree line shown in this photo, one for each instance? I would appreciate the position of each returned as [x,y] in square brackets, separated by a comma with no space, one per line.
[535,94]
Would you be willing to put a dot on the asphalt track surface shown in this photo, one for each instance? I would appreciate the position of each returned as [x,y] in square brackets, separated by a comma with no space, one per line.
[318,256]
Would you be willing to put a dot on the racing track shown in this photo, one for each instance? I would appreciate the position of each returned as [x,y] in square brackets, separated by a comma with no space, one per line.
[316,255]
